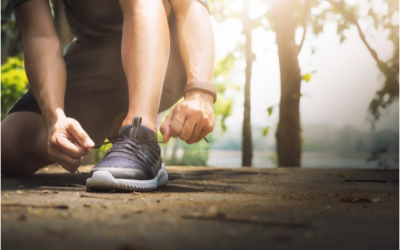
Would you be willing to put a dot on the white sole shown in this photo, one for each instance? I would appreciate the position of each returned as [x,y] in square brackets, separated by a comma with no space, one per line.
[103,180]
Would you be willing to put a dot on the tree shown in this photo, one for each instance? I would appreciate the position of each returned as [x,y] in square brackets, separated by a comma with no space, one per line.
[389,69]
[288,133]
[245,51]
[287,16]
[247,144]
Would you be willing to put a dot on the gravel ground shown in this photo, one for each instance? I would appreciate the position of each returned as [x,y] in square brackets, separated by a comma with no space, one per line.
[206,208]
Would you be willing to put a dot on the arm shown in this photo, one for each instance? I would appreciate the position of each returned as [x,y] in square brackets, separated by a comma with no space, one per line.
[44,64]
[45,69]
[192,119]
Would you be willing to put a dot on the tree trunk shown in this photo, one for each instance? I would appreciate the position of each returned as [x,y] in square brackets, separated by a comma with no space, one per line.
[288,133]
[247,144]
[61,24]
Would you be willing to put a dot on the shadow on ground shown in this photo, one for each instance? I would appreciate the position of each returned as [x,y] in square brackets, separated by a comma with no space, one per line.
[198,180]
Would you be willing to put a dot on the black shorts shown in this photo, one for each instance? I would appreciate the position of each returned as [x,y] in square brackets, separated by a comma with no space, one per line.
[96,91]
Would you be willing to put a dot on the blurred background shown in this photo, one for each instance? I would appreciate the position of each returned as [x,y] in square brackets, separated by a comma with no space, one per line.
[310,83]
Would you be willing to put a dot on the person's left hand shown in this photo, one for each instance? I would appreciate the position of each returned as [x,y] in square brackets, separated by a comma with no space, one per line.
[191,120]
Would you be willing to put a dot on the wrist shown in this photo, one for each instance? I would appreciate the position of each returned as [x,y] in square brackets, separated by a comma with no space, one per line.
[202,87]
[200,94]
[51,106]
[52,116]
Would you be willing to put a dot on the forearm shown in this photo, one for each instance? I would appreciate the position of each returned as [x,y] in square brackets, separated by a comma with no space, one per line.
[46,73]
[44,63]
[196,40]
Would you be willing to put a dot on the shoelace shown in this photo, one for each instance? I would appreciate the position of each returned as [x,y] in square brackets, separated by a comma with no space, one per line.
[147,141]
[114,141]
[134,148]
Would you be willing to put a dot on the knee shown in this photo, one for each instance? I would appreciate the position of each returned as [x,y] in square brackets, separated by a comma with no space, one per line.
[12,167]
[181,7]
[8,168]
[12,163]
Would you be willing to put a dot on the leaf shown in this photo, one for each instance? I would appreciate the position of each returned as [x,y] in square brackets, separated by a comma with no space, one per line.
[342,38]
[307,77]
[265,131]
[352,199]
[270,110]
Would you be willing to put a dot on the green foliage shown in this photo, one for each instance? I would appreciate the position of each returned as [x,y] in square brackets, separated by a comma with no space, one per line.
[307,77]
[222,110]
[347,15]
[265,131]
[183,154]
[6,13]
[389,69]
[100,152]
[270,110]
[223,106]
[14,83]
[11,42]
[274,159]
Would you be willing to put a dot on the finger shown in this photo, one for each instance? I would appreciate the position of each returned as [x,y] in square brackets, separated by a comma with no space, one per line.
[177,123]
[67,162]
[195,134]
[165,127]
[80,135]
[205,131]
[71,149]
[187,130]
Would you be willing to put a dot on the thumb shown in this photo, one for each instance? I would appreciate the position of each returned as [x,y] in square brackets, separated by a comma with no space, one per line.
[80,135]
[165,127]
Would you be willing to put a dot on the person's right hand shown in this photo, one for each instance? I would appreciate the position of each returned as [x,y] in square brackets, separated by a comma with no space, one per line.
[68,143]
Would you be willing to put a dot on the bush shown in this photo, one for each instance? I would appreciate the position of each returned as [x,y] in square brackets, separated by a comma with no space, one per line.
[190,155]
[100,152]
[14,83]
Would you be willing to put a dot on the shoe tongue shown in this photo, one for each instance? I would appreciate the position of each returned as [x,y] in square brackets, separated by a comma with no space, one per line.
[138,132]
[125,131]
[143,133]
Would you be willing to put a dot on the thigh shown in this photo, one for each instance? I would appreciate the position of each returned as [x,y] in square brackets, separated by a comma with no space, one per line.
[23,144]
[96,90]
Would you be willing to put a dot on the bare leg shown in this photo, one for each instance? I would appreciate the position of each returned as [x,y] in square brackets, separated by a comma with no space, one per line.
[145,52]
[23,144]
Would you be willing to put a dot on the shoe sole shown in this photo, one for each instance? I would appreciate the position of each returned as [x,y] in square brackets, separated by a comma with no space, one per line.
[104,181]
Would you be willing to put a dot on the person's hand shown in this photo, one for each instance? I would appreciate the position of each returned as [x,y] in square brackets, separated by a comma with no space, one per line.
[191,120]
[68,143]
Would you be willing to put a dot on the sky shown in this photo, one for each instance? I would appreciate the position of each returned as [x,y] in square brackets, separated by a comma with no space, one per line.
[338,94]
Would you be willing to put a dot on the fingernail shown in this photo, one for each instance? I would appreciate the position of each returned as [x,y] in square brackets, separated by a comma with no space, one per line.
[89,143]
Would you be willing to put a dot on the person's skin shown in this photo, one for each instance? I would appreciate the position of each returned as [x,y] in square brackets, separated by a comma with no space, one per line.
[62,139]
[193,118]
[145,26]
[45,68]
[145,53]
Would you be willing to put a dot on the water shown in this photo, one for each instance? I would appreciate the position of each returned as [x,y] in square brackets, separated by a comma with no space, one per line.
[267,159]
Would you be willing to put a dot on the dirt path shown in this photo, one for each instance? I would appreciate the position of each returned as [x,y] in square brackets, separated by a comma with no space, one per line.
[206,208]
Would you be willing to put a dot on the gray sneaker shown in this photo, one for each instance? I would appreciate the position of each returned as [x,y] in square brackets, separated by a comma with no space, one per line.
[133,163]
